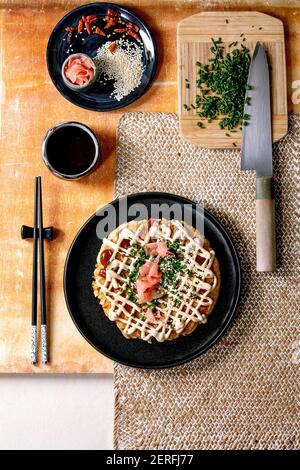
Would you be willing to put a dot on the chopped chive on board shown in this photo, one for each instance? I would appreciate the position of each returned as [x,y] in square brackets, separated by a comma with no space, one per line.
[194,42]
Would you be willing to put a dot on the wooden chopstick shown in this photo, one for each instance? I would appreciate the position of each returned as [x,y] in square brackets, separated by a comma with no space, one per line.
[42,277]
[33,349]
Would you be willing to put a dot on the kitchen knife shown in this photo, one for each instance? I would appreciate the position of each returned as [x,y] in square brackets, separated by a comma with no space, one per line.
[257,155]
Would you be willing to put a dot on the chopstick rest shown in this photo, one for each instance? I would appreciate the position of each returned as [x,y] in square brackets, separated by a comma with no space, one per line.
[27,232]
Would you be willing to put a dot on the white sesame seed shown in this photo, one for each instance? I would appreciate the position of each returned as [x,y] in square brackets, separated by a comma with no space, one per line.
[124,66]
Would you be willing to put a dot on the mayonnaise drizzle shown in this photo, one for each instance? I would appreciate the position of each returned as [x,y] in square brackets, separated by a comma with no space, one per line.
[175,318]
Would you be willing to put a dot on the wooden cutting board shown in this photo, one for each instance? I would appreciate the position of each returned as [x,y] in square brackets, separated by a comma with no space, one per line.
[193,44]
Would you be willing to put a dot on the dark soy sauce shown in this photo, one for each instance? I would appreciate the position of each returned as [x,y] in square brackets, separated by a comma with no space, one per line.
[70,150]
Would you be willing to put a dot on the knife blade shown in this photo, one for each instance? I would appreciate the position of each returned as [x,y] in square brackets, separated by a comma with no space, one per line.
[257,135]
[256,154]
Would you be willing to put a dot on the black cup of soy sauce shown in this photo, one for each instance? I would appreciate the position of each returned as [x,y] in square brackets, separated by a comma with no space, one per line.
[71,150]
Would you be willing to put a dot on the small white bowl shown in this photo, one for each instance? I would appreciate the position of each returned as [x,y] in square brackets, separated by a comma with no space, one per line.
[71,85]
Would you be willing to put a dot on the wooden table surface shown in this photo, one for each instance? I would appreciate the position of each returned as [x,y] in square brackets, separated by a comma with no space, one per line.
[29,106]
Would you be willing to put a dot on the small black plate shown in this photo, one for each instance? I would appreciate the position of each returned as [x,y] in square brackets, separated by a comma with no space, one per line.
[105,336]
[97,98]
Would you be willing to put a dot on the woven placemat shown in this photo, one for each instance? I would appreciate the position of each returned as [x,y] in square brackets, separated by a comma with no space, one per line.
[243,393]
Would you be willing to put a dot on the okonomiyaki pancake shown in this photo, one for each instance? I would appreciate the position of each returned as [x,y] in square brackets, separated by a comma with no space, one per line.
[156,279]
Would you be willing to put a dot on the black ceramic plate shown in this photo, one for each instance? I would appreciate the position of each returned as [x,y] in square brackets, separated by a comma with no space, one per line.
[98,97]
[105,336]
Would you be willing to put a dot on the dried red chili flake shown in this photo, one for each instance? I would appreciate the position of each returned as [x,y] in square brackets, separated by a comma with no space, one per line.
[80,26]
[112,13]
[131,29]
[134,35]
[112,47]
[99,31]
[88,27]
[111,18]
[132,26]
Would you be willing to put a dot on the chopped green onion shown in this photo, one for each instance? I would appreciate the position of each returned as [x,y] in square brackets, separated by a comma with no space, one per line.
[223,84]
